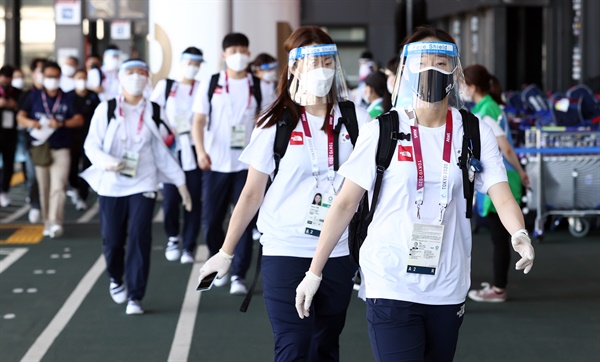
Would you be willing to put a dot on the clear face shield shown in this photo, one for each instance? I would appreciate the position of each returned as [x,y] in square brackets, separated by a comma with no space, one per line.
[430,76]
[315,75]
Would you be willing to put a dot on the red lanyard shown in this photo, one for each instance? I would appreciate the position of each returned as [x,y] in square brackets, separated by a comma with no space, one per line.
[312,150]
[174,91]
[4,94]
[56,104]
[416,140]
[141,122]
[249,89]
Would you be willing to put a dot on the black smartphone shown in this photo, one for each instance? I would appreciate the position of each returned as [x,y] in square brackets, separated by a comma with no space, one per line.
[207,282]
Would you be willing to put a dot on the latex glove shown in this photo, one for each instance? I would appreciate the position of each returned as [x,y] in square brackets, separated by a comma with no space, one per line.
[115,166]
[305,292]
[522,245]
[186,199]
[220,263]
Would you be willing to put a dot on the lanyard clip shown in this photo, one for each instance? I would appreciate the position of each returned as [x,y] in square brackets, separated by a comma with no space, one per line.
[442,209]
[419,203]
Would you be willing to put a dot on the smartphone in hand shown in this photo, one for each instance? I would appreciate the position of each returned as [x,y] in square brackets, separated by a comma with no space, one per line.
[207,282]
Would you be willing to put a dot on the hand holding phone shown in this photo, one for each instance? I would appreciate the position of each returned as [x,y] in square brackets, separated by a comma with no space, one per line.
[207,282]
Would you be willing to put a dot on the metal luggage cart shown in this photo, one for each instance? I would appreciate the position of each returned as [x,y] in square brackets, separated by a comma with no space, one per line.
[563,165]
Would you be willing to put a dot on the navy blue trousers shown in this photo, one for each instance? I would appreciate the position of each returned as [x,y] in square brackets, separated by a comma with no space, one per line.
[219,190]
[315,338]
[404,331]
[191,220]
[120,216]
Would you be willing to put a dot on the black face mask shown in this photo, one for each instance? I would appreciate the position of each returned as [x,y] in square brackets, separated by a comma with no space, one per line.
[431,85]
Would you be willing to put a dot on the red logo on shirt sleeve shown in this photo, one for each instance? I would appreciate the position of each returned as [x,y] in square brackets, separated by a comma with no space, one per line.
[297,138]
[218,90]
[405,153]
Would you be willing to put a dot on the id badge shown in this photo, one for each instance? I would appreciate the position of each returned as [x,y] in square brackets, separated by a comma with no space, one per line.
[8,119]
[131,160]
[425,248]
[317,211]
[238,137]
[182,123]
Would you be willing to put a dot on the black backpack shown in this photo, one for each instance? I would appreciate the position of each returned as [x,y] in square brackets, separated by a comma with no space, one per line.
[112,106]
[284,129]
[388,138]
[214,82]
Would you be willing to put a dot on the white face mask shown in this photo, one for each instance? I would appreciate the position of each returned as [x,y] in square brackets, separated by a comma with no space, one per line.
[134,84]
[39,78]
[68,70]
[390,83]
[51,84]
[190,71]
[111,63]
[80,84]
[237,62]
[18,83]
[269,76]
[318,81]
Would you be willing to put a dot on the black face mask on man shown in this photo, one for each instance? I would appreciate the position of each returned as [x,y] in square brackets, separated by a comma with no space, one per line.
[431,85]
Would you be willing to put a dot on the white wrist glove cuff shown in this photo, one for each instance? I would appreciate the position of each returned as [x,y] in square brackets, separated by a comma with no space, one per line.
[225,255]
[313,276]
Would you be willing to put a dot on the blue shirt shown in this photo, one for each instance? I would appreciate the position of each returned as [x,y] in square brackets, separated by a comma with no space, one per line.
[33,104]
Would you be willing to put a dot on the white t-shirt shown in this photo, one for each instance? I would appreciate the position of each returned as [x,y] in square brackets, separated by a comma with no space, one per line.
[155,161]
[94,78]
[178,106]
[110,85]
[283,213]
[67,84]
[496,129]
[232,105]
[384,254]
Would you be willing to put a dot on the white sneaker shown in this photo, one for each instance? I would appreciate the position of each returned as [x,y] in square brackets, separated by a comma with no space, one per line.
[221,282]
[56,231]
[80,205]
[172,251]
[187,257]
[118,293]
[4,200]
[34,216]
[238,286]
[46,231]
[74,195]
[134,307]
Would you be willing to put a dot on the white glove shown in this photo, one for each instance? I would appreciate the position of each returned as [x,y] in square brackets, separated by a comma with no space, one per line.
[115,166]
[522,245]
[186,199]
[305,292]
[220,263]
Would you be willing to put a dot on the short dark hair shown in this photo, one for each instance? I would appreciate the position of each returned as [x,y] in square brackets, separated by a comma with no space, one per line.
[235,39]
[7,71]
[51,64]
[74,58]
[193,50]
[112,47]
[35,62]
[366,55]
[81,70]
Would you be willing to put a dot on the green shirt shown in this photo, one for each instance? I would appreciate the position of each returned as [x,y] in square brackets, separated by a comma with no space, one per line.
[375,109]
[487,106]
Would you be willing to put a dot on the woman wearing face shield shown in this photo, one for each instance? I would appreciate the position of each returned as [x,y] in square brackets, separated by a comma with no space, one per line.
[416,258]
[309,91]
[265,67]
[176,98]
[129,159]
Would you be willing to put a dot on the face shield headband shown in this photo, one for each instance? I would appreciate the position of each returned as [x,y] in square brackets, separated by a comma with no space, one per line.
[268,66]
[315,75]
[192,57]
[430,71]
[132,64]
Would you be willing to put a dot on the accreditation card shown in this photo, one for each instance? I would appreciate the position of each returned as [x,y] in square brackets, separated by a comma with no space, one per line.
[425,248]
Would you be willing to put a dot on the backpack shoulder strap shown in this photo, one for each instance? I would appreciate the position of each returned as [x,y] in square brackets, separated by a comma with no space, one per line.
[156,117]
[214,82]
[386,147]
[257,92]
[168,87]
[110,110]
[471,147]
[283,133]
[347,118]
